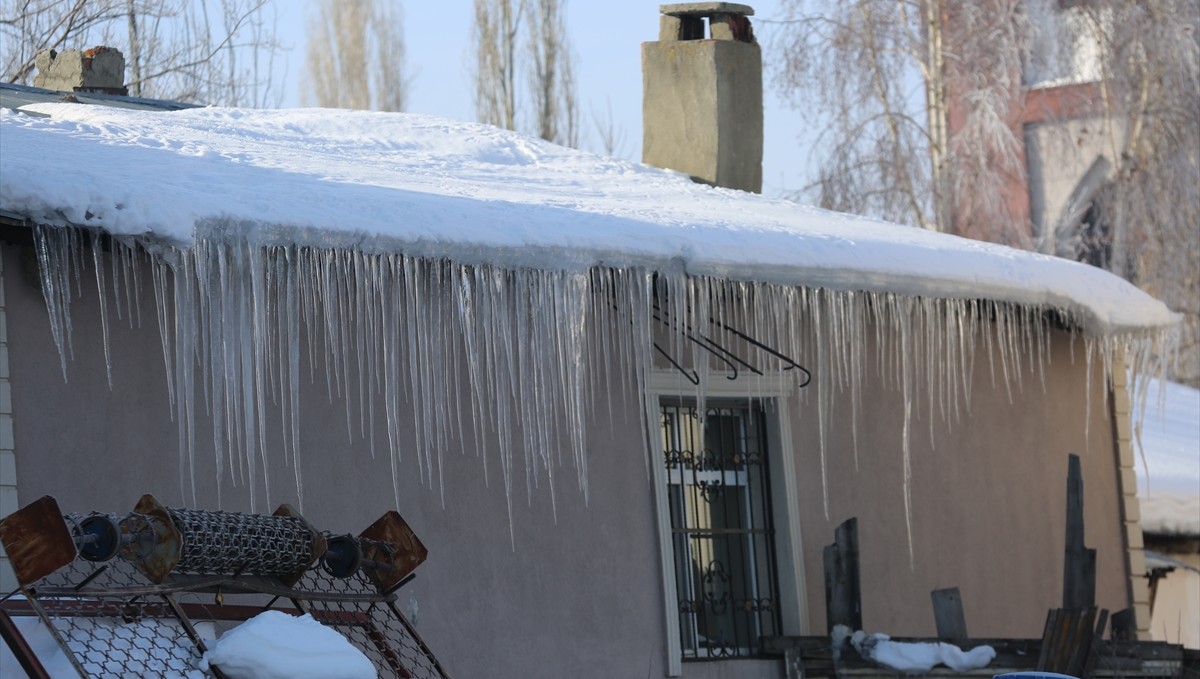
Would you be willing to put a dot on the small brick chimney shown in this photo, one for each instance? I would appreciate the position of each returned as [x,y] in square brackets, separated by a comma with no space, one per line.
[99,69]
[702,101]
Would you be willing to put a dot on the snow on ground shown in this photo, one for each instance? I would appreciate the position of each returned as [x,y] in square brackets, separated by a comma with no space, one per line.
[913,657]
[275,645]
[54,661]
[1169,483]
[476,194]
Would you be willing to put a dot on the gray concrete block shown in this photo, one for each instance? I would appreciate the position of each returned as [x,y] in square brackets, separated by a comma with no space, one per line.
[99,68]
[702,110]
[706,8]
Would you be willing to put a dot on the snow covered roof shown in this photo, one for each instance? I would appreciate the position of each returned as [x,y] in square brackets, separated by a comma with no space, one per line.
[472,193]
[1169,484]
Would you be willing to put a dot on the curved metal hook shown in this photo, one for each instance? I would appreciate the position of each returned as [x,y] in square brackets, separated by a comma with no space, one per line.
[693,376]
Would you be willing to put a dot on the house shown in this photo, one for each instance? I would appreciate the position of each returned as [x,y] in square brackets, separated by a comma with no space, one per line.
[1169,493]
[623,410]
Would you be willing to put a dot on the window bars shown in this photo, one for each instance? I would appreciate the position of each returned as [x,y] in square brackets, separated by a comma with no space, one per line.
[141,594]
[723,536]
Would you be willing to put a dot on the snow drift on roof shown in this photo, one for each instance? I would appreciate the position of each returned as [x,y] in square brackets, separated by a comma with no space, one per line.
[1169,488]
[476,194]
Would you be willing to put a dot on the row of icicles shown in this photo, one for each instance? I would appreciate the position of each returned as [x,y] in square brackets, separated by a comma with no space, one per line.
[396,337]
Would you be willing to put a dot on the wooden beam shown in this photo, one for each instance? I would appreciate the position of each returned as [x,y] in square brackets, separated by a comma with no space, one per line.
[948,614]
[1079,566]
[843,591]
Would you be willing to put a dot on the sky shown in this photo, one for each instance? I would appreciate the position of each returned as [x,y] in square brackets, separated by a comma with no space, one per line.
[606,37]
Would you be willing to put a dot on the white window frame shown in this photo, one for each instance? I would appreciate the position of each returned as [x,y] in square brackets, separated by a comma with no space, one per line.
[775,391]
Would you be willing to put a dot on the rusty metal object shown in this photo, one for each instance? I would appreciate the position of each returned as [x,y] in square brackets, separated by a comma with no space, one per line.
[318,545]
[97,536]
[401,549]
[158,544]
[37,540]
[283,545]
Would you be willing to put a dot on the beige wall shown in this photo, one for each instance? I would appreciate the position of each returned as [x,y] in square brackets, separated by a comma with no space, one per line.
[1176,616]
[988,503]
[580,594]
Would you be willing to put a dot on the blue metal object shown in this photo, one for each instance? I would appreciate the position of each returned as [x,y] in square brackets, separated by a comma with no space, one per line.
[1033,675]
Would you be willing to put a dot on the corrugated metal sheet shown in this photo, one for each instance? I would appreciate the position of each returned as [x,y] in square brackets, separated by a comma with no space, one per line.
[15,96]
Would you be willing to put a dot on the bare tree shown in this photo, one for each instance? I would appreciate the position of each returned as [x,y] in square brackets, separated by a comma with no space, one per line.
[881,75]
[494,36]
[1150,205]
[356,56]
[546,62]
[552,78]
[612,137]
[922,105]
[190,50]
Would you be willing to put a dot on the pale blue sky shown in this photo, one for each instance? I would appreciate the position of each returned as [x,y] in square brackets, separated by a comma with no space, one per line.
[606,36]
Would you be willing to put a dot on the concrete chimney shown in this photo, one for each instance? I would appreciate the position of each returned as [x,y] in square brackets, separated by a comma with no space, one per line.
[100,69]
[702,102]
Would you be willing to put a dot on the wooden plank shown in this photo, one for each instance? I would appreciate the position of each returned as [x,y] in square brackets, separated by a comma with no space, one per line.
[948,613]
[1068,640]
[1079,566]
[843,591]
[1091,659]
[1124,627]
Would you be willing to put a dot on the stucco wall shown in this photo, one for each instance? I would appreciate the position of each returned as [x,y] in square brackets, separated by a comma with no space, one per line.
[988,502]
[580,594]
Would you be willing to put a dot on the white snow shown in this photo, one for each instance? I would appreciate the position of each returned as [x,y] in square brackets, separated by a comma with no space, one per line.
[53,660]
[275,645]
[918,657]
[476,194]
[1169,444]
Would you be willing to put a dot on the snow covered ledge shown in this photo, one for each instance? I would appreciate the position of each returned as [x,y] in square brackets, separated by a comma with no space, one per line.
[428,187]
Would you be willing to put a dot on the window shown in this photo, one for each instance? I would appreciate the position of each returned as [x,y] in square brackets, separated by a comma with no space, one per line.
[722,536]
[727,507]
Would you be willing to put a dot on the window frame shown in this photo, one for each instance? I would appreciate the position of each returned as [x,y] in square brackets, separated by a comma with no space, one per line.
[775,391]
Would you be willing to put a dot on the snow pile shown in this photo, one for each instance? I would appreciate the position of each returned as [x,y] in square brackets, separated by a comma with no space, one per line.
[275,645]
[1169,446]
[479,195]
[916,657]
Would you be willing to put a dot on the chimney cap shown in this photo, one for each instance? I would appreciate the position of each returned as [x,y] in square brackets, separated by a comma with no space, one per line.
[705,9]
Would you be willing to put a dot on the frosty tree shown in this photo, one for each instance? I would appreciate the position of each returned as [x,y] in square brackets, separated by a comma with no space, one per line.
[925,109]
[356,56]
[213,53]
[522,45]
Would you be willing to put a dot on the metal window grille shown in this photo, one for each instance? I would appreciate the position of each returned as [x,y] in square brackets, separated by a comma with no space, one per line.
[723,535]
